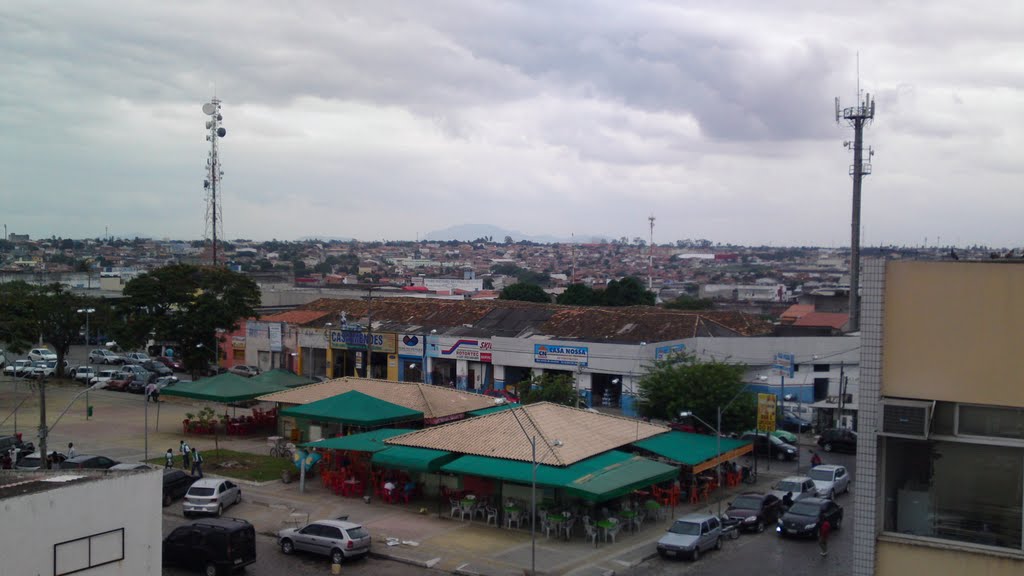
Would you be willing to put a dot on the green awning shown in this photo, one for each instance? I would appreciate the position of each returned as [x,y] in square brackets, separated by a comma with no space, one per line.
[353,408]
[280,377]
[699,451]
[600,478]
[372,441]
[492,409]
[224,388]
[412,459]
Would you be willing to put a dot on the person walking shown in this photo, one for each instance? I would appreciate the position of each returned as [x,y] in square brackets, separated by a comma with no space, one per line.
[815,458]
[197,463]
[186,453]
[71,450]
[169,459]
[823,531]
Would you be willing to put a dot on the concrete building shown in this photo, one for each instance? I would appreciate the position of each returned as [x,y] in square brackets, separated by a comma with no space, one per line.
[940,454]
[88,522]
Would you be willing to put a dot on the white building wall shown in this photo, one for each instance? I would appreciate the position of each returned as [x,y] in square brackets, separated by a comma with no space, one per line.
[33,524]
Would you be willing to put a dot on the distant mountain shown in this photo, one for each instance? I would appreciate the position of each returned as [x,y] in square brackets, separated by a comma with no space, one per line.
[470,232]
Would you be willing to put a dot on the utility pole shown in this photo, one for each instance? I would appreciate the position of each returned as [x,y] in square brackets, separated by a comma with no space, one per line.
[43,432]
[857,117]
[650,257]
[369,331]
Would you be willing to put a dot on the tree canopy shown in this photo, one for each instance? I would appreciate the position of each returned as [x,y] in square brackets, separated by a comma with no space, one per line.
[187,305]
[555,388]
[578,295]
[626,292]
[687,302]
[524,292]
[680,383]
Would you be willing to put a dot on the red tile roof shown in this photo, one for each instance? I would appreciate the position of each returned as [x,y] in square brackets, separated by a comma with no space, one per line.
[795,312]
[835,320]
[295,316]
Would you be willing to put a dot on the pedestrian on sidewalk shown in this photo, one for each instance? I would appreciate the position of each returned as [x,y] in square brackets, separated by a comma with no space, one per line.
[186,452]
[197,463]
[823,532]
[169,459]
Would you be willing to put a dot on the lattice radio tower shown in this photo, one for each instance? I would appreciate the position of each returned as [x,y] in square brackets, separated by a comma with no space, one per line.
[857,116]
[214,218]
[650,257]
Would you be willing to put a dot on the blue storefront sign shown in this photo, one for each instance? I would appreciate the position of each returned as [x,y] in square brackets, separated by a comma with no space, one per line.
[558,354]
[662,352]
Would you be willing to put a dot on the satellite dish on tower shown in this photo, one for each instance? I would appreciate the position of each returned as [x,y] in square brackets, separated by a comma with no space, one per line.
[209,109]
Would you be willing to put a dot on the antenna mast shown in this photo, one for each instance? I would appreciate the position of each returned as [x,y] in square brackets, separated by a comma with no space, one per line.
[650,257]
[214,218]
[857,116]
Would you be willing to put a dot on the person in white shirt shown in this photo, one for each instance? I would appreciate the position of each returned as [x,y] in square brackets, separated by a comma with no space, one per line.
[71,450]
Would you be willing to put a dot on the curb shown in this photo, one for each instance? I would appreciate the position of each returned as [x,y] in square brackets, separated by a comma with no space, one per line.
[404,559]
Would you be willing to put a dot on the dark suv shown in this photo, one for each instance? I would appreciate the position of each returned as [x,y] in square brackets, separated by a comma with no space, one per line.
[838,439]
[214,545]
[753,511]
[770,446]
[23,448]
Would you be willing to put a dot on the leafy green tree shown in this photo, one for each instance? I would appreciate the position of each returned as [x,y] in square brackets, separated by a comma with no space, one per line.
[188,305]
[578,295]
[682,383]
[524,292]
[555,388]
[687,302]
[488,284]
[629,291]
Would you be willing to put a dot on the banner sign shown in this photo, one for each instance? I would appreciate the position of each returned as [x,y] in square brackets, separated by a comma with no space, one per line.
[256,329]
[558,354]
[238,342]
[784,364]
[662,352]
[766,412]
[471,349]
[352,340]
[275,337]
[411,345]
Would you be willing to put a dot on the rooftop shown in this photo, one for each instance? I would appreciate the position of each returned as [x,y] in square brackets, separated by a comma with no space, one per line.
[14,483]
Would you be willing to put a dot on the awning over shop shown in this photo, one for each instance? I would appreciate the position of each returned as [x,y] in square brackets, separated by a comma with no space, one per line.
[600,478]
[372,441]
[281,377]
[413,459]
[698,451]
[224,388]
[492,409]
[353,408]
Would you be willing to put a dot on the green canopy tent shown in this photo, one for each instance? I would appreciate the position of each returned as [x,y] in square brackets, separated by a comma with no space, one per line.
[281,377]
[492,409]
[412,458]
[372,441]
[223,388]
[600,478]
[698,451]
[355,409]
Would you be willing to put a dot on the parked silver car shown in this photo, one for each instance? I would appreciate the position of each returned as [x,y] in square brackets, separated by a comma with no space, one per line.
[136,357]
[41,354]
[339,539]
[830,480]
[691,535]
[104,356]
[211,496]
[801,487]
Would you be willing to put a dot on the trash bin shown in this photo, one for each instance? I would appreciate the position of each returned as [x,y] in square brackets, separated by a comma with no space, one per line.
[88,411]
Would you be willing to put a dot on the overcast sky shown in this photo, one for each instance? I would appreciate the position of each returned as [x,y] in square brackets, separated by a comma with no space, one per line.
[384,120]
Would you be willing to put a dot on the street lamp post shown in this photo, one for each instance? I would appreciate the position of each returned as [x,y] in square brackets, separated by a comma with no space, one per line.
[718,439]
[87,312]
[533,493]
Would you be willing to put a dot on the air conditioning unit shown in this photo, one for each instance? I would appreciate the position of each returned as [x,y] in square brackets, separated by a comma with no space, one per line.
[906,418]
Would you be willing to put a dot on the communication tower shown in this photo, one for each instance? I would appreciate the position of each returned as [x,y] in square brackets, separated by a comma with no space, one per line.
[214,218]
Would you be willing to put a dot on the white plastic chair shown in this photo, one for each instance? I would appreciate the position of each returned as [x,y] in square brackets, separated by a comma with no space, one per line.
[492,514]
[591,532]
[456,506]
[513,517]
[614,530]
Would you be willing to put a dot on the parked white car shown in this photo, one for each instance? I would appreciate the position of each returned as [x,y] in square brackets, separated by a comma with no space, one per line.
[41,354]
[83,374]
[211,496]
[800,486]
[103,376]
[830,480]
[17,368]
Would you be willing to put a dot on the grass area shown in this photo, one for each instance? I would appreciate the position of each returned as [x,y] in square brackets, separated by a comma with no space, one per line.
[241,465]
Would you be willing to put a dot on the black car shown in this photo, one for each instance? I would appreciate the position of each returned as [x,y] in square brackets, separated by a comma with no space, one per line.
[771,446]
[805,516]
[753,511]
[157,368]
[839,440]
[793,423]
[176,483]
[87,461]
[213,545]
[22,448]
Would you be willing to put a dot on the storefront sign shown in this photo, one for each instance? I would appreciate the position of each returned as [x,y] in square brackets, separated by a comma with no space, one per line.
[352,340]
[470,349]
[558,354]
[256,329]
[443,419]
[312,338]
[275,337]
[662,352]
[238,342]
[766,412]
[411,345]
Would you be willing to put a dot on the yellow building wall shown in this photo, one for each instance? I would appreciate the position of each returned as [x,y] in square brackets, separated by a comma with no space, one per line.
[393,367]
[953,332]
[901,559]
